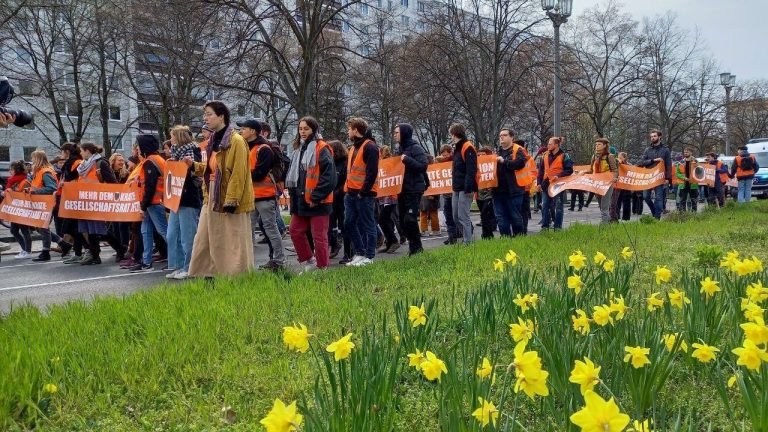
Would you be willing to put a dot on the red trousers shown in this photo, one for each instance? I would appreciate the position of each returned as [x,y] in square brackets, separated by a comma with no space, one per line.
[318,228]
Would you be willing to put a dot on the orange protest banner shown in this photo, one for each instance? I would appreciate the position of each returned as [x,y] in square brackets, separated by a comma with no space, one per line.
[440,178]
[175,174]
[100,202]
[390,176]
[577,168]
[637,178]
[702,174]
[27,209]
[486,166]
[596,183]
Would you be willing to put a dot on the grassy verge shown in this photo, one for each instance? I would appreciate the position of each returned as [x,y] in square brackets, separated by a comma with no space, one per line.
[171,358]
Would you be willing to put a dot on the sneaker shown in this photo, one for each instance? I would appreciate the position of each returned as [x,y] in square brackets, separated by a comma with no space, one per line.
[140,268]
[363,262]
[393,248]
[355,259]
[271,265]
[181,275]
[86,256]
[73,259]
[345,261]
[309,265]
[44,256]
[126,263]
[22,255]
[91,261]
[4,246]
[171,275]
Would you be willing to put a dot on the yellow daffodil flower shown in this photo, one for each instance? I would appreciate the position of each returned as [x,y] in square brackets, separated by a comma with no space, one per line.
[654,302]
[50,388]
[618,306]
[486,369]
[627,253]
[703,352]
[663,274]
[602,315]
[417,315]
[575,283]
[432,367]
[296,338]
[609,266]
[678,298]
[669,341]
[498,265]
[342,348]
[709,287]
[585,374]
[750,356]
[416,359]
[757,293]
[487,413]
[599,415]
[577,260]
[637,355]
[757,332]
[581,322]
[522,331]
[511,257]
[599,258]
[282,418]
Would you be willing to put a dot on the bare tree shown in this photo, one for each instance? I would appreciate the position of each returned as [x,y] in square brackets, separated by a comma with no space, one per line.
[704,101]
[749,112]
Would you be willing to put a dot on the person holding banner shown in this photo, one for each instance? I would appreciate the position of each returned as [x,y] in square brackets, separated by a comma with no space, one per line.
[744,168]
[224,241]
[555,164]
[311,180]
[415,182]
[17,182]
[514,175]
[43,183]
[361,190]
[70,152]
[388,216]
[688,189]
[717,192]
[465,179]
[182,222]
[655,154]
[603,161]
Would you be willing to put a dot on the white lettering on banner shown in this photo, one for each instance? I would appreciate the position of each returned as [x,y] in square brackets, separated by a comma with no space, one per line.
[28,204]
[24,212]
[390,181]
[99,206]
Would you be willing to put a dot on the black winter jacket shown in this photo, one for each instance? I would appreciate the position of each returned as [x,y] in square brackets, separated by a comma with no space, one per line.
[505,172]
[464,171]
[415,161]
[325,185]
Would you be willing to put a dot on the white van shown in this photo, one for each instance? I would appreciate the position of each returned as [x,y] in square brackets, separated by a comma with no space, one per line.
[759,149]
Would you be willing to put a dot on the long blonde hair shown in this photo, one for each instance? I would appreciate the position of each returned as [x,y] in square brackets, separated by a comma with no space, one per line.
[182,134]
[39,160]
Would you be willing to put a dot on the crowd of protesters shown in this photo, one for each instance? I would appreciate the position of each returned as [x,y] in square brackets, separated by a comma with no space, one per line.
[236,175]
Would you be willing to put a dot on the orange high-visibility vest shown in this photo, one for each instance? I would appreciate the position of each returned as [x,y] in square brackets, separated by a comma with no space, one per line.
[556,167]
[740,172]
[464,149]
[356,169]
[157,198]
[37,179]
[75,164]
[723,176]
[265,188]
[313,175]
[523,175]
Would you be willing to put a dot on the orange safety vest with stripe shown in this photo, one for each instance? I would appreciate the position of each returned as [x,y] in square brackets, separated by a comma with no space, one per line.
[20,186]
[524,176]
[723,176]
[557,165]
[37,179]
[92,176]
[313,175]
[137,176]
[740,172]
[265,188]
[75,164]
[464,149]
[356,169]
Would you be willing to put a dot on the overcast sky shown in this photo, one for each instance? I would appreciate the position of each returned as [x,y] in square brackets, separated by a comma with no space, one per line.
[734,31]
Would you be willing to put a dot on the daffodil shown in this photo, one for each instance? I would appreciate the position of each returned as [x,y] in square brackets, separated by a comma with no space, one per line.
[669,341]
[748,266]
[50,388]
[486,369]
[730,260]
[757,293]
[581,322]
[522,331]
[757,332]
[599,415]
[282,418]
[585,374]
[640,426]
[498,265]
[750,355]
[577,260]
[599,258]
[511,257]
[342,348]
[753,312]
[417,315]
[416,359]
[663,274]
[654,302]
[627,253]
[709,287]
[618,306]
[575,283]
[526,302]
[637,355]
[732,380]
[602,315]
[432,367]
[609,266]
[296,337]
[703,352]
[486,413]
[678,298]
[530,377]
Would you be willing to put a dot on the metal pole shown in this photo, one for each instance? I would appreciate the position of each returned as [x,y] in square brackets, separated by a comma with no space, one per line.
[556,24]
[727,123]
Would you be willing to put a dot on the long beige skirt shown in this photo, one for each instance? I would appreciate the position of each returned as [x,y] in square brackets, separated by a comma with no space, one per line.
[223,244]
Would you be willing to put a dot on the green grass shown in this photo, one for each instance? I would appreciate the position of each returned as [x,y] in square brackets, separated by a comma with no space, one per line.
[172,357]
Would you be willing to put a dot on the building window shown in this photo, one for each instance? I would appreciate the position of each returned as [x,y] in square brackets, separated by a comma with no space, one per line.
[28,153]
[67,109]
[365,50]
[114,113]
[117,142]
[406,20]
[420,6]
[5,154]
[65,77]
[404,3]
[364,9]
[22,54]
[215,44]
[241,110]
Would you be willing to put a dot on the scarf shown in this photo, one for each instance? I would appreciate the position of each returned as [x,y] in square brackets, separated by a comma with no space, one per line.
[86,165]
[179,152]
[215,186]
[309,160]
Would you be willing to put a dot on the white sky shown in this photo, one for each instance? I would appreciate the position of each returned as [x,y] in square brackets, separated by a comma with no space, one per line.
[734,31]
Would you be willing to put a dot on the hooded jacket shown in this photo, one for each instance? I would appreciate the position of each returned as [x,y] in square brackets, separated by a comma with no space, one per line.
[734,168]
[415,161]
[659,151]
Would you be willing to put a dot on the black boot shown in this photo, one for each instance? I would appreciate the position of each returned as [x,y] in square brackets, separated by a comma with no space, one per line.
[44,256]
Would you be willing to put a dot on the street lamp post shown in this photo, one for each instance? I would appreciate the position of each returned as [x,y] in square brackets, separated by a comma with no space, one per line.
[728,81]
[558,11]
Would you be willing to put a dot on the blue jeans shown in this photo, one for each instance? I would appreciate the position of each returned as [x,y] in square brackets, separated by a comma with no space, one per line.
[745,191]
[657,203]
[154,220]
[558,203]
[182,227]
[279,219]
[508,213]
[360,224]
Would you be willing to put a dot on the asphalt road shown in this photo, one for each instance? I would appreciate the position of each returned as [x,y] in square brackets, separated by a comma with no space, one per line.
[44,284]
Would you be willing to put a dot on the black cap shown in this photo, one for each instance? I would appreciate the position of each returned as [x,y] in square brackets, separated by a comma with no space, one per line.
[251,123]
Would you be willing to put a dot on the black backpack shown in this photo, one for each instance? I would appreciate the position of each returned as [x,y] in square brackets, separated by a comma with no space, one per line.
[280,163]
[747,163]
